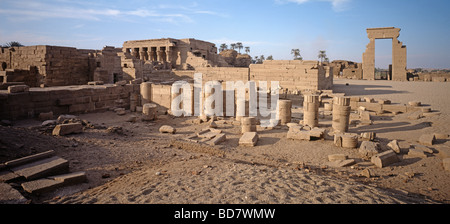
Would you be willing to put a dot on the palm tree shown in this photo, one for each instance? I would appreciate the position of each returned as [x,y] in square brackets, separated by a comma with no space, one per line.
[270,57]
[322,55]
[223,47]
[239,46]
[247,50]
[296,53]
[13,44]
[256,60]
[233,46]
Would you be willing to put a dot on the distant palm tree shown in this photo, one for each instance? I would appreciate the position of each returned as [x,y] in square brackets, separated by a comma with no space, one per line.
[247,50]
[270,57]
[322,55]
[256,60]
[233,46]
[13,44]
[296,53]
[223,47]
[239,46]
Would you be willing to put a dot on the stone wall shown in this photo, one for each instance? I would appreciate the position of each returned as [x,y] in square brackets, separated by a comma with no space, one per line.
[64,100]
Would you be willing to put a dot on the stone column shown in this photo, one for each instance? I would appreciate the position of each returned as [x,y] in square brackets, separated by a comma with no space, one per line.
[284,111]
[248,124]
[368,61]
[143,55]
[341,114]
[242,109]
[311,110]
[146,92]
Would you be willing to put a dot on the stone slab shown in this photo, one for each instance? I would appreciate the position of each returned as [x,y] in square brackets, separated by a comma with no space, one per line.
[248,139]
[42,185]
[9,195]
[335,157]
[427,139]
[28,159]
[66,129]
[413,152]
[218,139]
[35,170]
[71,178]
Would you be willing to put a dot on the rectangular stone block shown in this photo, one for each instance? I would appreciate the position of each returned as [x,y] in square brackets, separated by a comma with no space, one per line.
[70,178]
[65,129]
[41,186]
[248,139]
[384,159]
[18,88]
[299,135]
[51,166]
[218,139]
[427,139]
[28,159]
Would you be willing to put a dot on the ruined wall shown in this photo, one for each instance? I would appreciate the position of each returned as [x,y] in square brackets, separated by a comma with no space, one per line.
[64,100]
[292,74]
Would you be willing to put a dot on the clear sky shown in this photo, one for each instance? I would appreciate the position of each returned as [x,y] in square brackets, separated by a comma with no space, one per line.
[268,27]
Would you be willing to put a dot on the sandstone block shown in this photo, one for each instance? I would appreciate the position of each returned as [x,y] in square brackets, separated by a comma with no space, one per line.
[368,149]
[300,135]
[70,178]
[441,136]
[368,136]
[46,116]
[65,129]
[413,152]
[384,159]
[342,163]
[41,186]
[248,139]
[349,140]
[335,157]
[218,139]
[28,159]
[427,139]
[167,129]
[393,145]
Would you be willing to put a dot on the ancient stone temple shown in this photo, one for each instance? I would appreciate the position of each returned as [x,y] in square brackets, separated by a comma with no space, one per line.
[398,53]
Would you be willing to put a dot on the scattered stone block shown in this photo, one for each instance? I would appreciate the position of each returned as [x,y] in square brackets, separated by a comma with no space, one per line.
[393,145]
[317,132]
[95,83]
[64,117]
[132,118]
[349,140]
[427,139]
[7,176]
[65,129]
[384,101]
[18,88]
[31,158]
[218,139]
[338,140]
[46,116]
[335,157]
[49,122]
[415,103]
[413,152]
[167,129]
[9,195]
[300,135]
[367,173]
[35,170]
[384,159]
[248,139]
[446,164]
[120,111]
[368,136]
[342,163]
[368,149]
[121,83]
[424,148]
[415,115]
[441,136]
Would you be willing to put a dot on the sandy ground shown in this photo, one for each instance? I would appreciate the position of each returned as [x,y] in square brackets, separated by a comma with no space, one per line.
[144,166]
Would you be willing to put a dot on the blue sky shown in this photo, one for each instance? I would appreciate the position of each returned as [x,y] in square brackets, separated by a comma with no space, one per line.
[268,27]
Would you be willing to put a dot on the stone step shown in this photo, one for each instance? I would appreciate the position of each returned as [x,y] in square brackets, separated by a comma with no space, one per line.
[42,168]
[28,159]
[9,195]
[52,183]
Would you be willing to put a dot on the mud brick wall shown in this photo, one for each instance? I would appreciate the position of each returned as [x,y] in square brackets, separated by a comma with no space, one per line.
[64,100]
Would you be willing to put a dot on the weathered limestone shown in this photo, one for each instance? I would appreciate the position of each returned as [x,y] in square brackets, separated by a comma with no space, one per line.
[368,136]
[284,111]
[311,105]
[146,92]
[149,112]
[299,135]
[367,149]
[341,114]
[384,159]
[65,129]
[248,124]
[427,139]
[393,145]
[398,53]
[167,129]
[335,157]
[217,139]
[416,152]
[248,139]
[28,159]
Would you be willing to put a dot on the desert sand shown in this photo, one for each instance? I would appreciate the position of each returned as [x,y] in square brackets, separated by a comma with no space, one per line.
[141,165]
